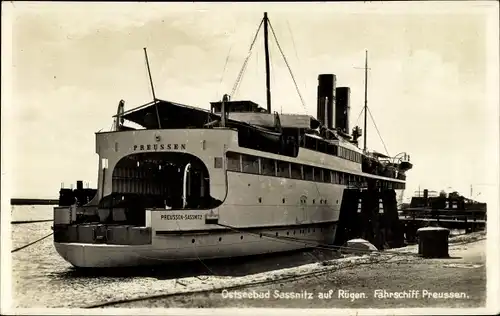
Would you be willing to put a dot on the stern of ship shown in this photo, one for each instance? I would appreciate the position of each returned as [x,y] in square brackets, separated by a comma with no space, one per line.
[152,184]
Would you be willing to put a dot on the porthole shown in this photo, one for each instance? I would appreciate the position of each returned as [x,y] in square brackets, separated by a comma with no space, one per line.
[260,200]
[192,241]
[241,237]
[220,238]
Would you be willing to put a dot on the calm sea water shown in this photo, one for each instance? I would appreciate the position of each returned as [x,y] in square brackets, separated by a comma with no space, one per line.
[31,212]
[41,278]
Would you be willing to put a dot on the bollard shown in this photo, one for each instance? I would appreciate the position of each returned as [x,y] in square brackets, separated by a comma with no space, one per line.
[433,242]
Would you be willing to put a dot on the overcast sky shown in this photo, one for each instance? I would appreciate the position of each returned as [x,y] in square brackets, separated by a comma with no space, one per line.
[428,83]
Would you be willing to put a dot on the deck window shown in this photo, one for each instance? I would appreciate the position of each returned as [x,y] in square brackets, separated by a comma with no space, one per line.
[318,174]
[283,169]
[233,161]
[322,146]
[329,149]
[296,171]
[268,167]
[341,178]
[258,165]
[308,173]
[327,176]
[218,162]
[311,143]
[250,164]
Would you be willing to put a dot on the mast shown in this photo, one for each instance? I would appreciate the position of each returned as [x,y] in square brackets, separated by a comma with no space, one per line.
[152,88]
[266,49]
[366,98]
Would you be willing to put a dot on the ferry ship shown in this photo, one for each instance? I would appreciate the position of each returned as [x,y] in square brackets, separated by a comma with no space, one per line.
[234,180]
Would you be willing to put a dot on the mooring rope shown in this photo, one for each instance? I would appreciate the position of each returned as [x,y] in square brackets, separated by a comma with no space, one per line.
[316,245]
[29,222]
[31,243]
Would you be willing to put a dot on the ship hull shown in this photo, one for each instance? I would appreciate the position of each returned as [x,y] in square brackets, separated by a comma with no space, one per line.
[197,246]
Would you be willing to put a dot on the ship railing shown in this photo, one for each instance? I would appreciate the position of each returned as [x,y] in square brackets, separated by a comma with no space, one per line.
[356,185]
[444,214]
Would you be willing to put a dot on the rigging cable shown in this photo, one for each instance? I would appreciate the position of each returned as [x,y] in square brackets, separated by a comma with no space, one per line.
[288,66]
[240,74]
[295,49]
[376,128]
[225,67]
[360,112]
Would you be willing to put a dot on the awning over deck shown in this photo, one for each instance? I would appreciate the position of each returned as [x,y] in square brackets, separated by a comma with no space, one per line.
[172,115]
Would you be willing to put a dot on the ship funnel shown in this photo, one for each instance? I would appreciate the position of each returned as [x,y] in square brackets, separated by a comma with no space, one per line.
[343,95]
[326,99]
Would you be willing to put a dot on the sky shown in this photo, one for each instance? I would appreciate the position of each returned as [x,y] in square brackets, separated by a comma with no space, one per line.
[432,84]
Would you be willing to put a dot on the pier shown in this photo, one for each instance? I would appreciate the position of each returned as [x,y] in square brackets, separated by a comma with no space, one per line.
[372,214]
[31,201]
[415,218]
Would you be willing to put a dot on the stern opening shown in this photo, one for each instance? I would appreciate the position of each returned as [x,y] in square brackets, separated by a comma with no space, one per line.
[157,180]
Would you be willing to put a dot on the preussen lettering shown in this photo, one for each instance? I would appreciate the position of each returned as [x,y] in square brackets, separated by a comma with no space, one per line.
[160,147]
[180,217]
